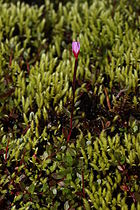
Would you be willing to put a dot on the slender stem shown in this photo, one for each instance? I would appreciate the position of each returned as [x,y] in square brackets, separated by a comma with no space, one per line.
[10,59]
[6,151]
[121,91]
[107,99]
[73,91]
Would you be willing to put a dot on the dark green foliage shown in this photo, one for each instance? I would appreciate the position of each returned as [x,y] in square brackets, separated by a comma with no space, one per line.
[100,166]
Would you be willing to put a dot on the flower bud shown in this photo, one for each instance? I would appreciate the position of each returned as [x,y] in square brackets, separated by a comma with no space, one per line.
[76,49]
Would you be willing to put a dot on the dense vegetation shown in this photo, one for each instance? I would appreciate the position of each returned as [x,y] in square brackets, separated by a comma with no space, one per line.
[99,168]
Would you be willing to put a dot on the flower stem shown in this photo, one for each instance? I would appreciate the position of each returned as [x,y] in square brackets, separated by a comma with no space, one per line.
[6,151]
[73,91]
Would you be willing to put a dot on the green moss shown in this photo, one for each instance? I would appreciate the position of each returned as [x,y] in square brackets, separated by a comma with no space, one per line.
[99,167]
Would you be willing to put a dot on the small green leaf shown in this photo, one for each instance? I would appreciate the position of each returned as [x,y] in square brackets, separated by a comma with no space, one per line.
[31,188]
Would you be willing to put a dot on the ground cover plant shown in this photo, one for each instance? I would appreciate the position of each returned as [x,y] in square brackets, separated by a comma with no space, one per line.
[69,142]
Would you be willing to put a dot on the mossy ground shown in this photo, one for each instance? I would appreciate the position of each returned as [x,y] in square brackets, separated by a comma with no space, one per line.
[99,168]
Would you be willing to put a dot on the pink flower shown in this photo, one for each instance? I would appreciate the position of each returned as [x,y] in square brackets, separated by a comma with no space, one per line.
[76,48]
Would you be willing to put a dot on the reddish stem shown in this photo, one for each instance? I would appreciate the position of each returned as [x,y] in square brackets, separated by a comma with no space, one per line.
[22,159]
[125,187]
[73,90]
[6,150]
[107,99]
[26,129]
[10,59]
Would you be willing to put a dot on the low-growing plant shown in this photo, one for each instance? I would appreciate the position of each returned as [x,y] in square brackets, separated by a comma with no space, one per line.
[69,127]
